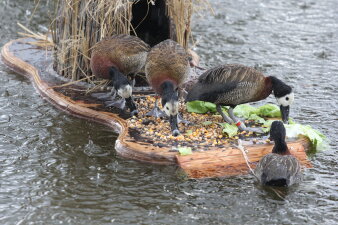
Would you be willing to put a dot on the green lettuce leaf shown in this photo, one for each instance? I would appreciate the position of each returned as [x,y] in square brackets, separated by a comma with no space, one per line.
[245,110]
[200,107]
[256,118]
[207,123]
[188,132]
[318,140]
[185,150]
[249,112]
[269,110]
[230,129]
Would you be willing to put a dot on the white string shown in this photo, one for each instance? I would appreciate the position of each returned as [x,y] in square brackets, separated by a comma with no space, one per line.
[241,147]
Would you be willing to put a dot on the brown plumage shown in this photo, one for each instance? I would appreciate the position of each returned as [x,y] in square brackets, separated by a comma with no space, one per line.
[115,58]
[167,61]
[278,168]
[124,52]
[231,85]
[167,67]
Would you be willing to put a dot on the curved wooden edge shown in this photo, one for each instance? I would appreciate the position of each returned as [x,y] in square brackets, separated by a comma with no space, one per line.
[211,163]
[68,105]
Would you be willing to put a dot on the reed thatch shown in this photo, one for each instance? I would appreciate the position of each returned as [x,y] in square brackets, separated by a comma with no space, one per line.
[81,23]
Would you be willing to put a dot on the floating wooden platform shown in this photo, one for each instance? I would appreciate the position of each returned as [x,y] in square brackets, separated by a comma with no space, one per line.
[210,161]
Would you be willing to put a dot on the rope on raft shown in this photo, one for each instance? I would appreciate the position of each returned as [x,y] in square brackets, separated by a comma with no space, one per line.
[245,156]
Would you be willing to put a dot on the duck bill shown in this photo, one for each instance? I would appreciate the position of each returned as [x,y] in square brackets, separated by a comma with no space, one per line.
[285,113]
[174,125]
[132,106]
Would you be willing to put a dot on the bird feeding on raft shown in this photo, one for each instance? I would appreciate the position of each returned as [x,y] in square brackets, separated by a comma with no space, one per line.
[115,58]
[167,67]
[234,84]
[278,168]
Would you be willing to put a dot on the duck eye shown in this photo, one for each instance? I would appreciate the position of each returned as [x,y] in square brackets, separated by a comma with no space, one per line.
[167,108]
[287,98]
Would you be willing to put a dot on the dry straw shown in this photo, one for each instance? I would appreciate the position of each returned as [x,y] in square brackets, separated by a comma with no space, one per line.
[79,24]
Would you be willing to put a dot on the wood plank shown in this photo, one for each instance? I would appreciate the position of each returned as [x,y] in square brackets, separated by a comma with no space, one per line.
[230,161]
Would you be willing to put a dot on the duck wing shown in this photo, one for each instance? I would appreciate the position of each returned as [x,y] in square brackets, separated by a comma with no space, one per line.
[230,73]
[228,85]
[167,60]
[278,170]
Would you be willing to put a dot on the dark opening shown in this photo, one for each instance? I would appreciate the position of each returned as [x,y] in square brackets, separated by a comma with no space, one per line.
[150,22]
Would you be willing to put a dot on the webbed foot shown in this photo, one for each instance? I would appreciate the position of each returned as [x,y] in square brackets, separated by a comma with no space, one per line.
[180,119]
[120,103]
[156,112]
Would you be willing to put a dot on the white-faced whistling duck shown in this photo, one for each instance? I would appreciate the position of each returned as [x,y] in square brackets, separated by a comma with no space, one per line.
[115,58]
[167,67]
[231,85]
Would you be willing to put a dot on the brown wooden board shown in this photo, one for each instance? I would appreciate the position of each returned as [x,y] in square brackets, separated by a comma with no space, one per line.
[209,161]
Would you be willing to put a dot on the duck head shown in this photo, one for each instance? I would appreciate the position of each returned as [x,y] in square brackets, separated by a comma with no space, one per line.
[124,88]
[284,97]
[277,134]
[170,105]
[277,131]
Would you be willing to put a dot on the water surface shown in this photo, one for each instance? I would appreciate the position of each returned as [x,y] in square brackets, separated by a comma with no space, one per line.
[57,169]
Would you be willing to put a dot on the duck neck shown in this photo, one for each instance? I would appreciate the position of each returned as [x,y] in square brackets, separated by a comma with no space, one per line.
[118,79]
[167,89]
[113,73]
[280,147]
[168,92]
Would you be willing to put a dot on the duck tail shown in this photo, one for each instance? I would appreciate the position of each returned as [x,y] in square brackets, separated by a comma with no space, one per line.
[281,182]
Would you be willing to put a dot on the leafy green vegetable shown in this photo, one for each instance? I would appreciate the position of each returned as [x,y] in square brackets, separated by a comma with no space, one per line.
[256,118]
[185,150]
[245,110]
[249,112]
[200,107]
[269,110]
[294,130]
[230,129]
[206,123]
[189,132]
[317,139]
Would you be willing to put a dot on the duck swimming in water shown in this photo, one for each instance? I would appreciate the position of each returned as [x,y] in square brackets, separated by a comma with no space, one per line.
[278,168]
[116,57]
[167,67]
[231,85]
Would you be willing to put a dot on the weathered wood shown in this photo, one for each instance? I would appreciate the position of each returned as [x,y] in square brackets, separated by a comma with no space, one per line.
[230,161]
[211,162]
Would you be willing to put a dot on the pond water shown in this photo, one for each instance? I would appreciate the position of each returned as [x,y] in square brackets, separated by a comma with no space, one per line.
[58,169]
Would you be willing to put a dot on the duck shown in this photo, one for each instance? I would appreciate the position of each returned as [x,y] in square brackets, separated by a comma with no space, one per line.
[234,84]
[116,57]
[278,168]
[167,67]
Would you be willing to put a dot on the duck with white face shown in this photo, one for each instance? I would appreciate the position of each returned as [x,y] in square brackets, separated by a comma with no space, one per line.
[115,58]
[284,104]
[124,89]
[284,97]
[167,68]
[234,84]
[170,107]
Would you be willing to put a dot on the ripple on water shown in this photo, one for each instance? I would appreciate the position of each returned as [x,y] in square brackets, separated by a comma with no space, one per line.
[55,168]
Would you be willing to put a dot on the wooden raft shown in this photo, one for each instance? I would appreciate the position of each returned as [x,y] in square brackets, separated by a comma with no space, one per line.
[212,162]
